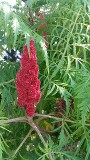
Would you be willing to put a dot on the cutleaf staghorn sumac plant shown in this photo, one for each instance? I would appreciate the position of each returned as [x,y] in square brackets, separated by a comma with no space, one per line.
[64,73]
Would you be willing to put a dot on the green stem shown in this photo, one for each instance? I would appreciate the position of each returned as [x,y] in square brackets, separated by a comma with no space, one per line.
[21,144]
[71,33]
[6,82]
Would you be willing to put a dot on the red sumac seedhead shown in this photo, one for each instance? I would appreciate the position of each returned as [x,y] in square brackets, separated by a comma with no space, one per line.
[27,82]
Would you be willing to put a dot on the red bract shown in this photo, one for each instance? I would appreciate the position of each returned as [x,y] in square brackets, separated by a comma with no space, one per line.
[27,82]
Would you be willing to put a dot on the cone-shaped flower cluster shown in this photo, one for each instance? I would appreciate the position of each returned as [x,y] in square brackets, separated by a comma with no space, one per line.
[27,82]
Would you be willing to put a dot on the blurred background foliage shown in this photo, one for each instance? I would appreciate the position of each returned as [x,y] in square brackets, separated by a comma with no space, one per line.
[61,30]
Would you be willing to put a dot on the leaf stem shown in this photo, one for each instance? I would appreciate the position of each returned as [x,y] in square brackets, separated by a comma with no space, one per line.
[31,122]
[19,119]
[56,118]
[23,119]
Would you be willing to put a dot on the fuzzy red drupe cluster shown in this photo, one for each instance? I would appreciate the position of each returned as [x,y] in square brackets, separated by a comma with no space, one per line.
[27,82]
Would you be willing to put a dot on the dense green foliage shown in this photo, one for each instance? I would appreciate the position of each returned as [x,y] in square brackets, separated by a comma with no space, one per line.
[64,73]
